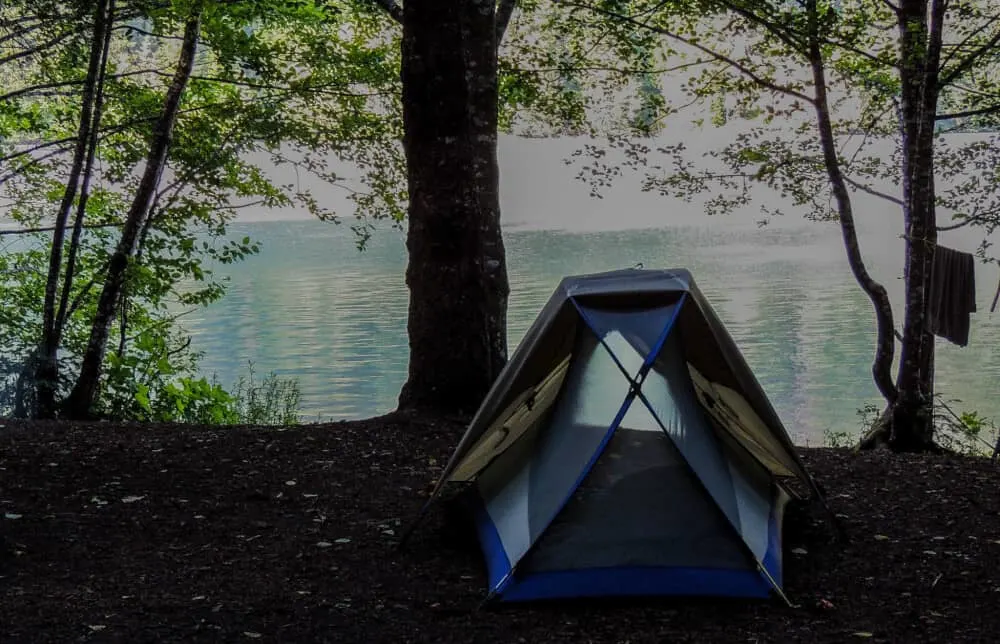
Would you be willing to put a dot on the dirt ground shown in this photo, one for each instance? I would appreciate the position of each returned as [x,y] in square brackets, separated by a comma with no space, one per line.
[116,533]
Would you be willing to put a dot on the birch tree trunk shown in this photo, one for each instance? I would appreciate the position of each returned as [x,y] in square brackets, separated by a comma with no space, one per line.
[81,399]
[457,273]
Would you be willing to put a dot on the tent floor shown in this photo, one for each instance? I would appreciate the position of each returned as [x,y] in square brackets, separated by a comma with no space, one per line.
[171,534]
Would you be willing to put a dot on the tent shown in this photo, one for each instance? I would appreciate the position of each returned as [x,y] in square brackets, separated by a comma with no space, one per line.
[627,449]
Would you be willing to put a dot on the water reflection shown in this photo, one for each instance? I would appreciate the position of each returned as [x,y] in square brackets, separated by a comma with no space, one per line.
[311,307]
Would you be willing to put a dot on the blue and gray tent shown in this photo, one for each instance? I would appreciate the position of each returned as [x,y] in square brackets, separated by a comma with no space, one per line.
[627,449]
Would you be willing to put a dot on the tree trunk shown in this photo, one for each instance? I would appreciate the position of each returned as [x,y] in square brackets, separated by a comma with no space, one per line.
[912,423]
[88,172]
[81,399]
[46,367]
[457,272]
[885,344]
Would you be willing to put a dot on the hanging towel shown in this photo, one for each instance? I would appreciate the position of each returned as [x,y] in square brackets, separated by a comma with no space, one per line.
[953,294]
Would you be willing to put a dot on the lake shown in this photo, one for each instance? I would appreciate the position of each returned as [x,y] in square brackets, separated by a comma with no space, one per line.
[310,306]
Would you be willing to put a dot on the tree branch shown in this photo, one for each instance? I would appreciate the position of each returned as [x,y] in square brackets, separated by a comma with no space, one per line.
[605,68]
[4,178]
[505,10]
[969,61]
[48,229]
[57,84]
[957,47]
[775,28]
[872,191]
[151,34]
[78,300]
[20,31]
[104,131]
[24,53]
[743,69]
[40,146]
[876,292]
[991,109]
[392,8]
[891,6]
[961,224]
[318,89]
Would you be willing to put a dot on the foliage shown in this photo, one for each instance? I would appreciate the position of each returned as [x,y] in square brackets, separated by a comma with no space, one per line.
[274,401]
[839,439]
[757,83]
[152,375]
[967,432]
[309,86]
[302,85]
[160,394]
[823,98]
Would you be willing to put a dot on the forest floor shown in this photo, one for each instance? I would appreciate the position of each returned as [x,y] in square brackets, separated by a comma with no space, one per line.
[117,533]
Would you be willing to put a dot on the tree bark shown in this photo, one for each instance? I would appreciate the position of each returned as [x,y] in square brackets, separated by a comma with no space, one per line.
[88,172]
[912,424]
[457,272]
[885,344]
[81,399]
[46,371]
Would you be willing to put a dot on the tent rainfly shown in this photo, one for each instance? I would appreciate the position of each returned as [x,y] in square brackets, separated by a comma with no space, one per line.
[627,449]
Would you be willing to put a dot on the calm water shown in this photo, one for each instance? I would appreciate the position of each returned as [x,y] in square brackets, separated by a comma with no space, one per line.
[312,307]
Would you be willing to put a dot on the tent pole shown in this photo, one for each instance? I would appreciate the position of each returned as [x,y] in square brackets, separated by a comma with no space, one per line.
[415,524]
[774,584]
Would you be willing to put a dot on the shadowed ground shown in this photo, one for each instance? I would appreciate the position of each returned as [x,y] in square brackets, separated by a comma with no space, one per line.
[185,534]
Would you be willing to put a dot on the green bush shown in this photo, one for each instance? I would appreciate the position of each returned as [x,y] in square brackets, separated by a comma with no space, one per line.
[275,401]
[148,387]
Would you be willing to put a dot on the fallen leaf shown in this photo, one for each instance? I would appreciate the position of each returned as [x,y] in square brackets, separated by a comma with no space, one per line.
[881,537]
[291,483]
[862,634]
[96,627]
[323,544]
[342,540]
[12,516]
[800,551]
[132,499]
[252,635]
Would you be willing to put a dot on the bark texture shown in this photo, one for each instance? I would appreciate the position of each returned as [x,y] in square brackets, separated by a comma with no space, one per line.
[457,273]
[920,38]
[81,399]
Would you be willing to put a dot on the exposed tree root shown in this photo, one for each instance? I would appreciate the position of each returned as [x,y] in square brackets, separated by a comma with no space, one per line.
[880,436]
